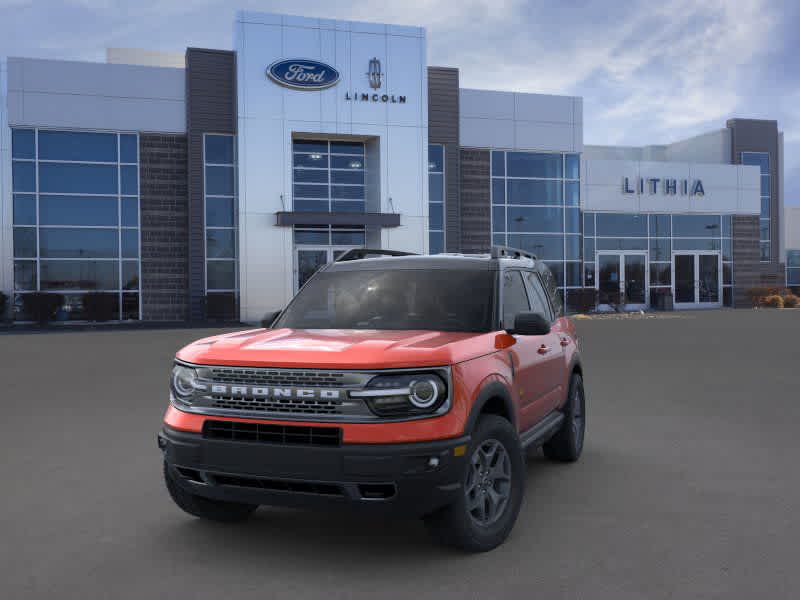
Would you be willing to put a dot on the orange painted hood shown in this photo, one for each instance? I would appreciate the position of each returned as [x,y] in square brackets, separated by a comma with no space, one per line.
[338,349]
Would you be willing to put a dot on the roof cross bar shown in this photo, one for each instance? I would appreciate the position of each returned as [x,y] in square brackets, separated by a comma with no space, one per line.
[359,253]
[508,252]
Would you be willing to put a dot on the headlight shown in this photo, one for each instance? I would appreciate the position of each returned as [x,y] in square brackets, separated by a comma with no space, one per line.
[409,394]
[184,382]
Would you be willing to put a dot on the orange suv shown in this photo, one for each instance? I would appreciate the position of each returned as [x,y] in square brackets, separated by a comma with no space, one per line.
[391,382]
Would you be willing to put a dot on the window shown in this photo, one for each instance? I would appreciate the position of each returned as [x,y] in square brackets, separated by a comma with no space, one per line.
[538,297]
[536,207]
[436,198]
[76,218]
[328,176]
[660,234]
[219,156]
[515,299]
[762,160]
[793,268]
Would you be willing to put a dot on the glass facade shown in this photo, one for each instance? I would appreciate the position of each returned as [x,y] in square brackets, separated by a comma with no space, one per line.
[436,198]
[221,223]
[76,220]
[536,207]
[659,235]
[793,268]
[761,160]
[328,176]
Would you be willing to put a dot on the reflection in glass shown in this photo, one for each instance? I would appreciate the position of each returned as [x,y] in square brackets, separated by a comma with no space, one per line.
[67,178]
[55,242]
[77,146]
[77,210]
[80,275]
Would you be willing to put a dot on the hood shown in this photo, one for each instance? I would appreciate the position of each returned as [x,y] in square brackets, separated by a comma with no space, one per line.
[338,349]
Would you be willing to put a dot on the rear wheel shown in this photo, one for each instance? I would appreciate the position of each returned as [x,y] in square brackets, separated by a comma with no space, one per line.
[205,508]
[493,485]
[567,444]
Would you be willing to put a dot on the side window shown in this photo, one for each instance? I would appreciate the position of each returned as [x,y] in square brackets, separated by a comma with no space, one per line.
[538,296]
[515,299]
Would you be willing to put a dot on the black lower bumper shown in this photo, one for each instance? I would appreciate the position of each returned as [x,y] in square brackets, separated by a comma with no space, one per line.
[413,479]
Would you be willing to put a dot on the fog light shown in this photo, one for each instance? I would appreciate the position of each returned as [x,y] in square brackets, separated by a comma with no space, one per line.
[433,462]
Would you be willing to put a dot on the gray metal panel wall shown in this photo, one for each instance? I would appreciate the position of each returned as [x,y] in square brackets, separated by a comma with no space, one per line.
[754,135]
[476,216]
[164,225]
[443,128]
[210,108]
[746,266]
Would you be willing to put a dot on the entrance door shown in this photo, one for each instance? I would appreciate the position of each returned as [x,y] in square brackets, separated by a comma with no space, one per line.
[622,280]
[697,279]
[308,260]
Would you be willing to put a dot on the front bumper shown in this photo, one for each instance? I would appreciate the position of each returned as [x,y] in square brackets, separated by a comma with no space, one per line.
[413,479]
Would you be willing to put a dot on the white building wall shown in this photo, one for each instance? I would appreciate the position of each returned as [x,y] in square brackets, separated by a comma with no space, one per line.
[269,115]
[729,189]
[519,121]
[713,147]
[82,95]
[791,228]
[146,58]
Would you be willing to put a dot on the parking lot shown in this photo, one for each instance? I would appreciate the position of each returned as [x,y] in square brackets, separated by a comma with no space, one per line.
[688,487]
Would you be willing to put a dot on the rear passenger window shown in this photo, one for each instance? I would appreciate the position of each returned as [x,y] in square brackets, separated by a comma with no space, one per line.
[539,302]
[515,299]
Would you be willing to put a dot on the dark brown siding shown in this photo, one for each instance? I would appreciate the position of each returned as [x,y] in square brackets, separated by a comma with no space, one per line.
[443,129]
[475,201]
[164,227]
[753,135]
[746,253]
[210,108]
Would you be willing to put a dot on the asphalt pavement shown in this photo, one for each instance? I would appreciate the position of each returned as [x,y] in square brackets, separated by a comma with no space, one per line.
[688,486]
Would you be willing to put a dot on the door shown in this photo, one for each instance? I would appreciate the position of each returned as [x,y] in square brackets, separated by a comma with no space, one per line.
[531,355]
[308,260]
[622,279]
[697,279]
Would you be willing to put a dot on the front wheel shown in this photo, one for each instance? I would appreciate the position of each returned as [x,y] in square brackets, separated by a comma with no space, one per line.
[493,486]
[567,444]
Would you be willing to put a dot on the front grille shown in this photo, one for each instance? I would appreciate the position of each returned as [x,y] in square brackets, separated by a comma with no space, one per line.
[268,377]
[280,485]
[278,405]
[273,434]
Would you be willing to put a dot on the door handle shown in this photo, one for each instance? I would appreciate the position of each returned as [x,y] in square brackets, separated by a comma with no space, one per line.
[543,349]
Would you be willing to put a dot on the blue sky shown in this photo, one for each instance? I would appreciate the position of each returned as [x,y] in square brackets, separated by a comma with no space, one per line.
[649,72]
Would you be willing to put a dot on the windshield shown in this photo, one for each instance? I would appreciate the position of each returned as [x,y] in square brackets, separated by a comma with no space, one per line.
[436,299]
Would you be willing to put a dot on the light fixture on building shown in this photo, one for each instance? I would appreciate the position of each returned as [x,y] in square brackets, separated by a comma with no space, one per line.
[355,164]
[316,156]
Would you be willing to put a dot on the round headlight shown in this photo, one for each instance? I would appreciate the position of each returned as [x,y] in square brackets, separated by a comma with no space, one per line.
[183,381]
[423,393]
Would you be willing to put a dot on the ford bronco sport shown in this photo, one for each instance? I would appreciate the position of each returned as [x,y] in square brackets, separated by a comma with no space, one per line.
[391,382]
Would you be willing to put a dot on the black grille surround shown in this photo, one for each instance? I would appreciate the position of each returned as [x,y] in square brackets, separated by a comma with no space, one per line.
[265,433]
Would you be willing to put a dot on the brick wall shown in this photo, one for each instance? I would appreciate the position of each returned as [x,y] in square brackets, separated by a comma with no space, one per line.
[476,217]
[165,231]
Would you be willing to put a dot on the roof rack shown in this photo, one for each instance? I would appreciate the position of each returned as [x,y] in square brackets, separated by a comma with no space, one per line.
[508,252]
[359,253]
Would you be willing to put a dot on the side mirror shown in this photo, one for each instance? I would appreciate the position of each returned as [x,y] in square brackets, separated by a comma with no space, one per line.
[269,319]
[530,323]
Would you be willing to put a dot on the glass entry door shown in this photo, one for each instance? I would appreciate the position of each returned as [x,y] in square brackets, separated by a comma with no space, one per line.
[697,279]
[308,260]
[622,280]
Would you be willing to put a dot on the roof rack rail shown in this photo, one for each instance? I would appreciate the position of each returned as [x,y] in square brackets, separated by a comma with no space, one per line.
[508,252]
[359,253]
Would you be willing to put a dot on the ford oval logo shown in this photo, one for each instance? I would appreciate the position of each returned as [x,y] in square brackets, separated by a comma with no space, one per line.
[303,74]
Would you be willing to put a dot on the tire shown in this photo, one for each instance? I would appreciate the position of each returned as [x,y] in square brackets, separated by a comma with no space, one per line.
[205,508]
[567,443]
[460,525]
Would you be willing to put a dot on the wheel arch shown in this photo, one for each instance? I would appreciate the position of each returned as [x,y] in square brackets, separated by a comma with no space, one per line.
[494,398]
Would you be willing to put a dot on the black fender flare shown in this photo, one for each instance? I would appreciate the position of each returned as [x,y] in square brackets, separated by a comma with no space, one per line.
[493,389]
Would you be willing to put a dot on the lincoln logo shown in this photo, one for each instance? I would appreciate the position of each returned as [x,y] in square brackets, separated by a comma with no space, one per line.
[374,74]
[275,392]
[301,74]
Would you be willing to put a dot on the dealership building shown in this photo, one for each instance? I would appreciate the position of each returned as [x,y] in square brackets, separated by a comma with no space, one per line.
[213,183]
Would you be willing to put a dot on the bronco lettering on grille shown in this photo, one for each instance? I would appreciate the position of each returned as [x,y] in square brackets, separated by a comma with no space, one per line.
[274,392]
